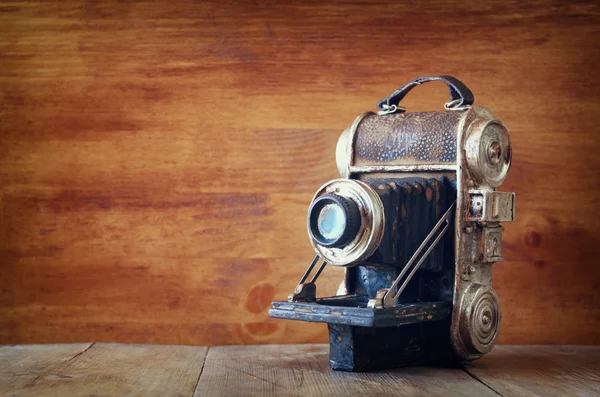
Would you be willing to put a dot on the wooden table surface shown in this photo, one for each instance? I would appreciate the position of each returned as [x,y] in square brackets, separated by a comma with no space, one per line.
[106,369]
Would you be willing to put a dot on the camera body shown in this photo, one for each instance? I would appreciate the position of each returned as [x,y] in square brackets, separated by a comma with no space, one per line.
[415,221]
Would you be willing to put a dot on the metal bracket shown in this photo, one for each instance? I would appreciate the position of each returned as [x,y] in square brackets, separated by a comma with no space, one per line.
[490,206]
[387,109]
[307,292]
[391,298]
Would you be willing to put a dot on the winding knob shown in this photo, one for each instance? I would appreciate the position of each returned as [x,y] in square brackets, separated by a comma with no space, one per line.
[479,320]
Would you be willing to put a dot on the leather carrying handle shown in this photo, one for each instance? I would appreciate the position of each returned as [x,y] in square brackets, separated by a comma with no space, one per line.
[460,94]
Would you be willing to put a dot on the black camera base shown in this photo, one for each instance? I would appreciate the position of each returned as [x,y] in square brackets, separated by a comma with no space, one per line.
[366,339]
[365,349]
[357,349]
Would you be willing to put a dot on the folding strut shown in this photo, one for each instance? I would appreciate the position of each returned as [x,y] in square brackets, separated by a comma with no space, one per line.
[307,292]
[439,230]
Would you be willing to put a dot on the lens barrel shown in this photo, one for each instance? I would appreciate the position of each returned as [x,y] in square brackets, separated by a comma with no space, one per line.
[333,220]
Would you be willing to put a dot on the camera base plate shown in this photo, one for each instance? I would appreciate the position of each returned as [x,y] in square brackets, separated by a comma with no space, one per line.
[353,310]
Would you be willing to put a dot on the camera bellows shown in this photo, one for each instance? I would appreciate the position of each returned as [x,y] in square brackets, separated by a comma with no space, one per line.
[412,207]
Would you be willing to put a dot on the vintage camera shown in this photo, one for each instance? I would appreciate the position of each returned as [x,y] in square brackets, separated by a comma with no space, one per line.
[415,221]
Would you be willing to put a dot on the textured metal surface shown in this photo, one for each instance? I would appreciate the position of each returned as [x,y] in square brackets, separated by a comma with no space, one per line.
[479,320]
[478,232]
[490,206]
[488,151]
[407,139]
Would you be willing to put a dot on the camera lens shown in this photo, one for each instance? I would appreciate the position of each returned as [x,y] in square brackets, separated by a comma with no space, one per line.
[345,221]
[333,220]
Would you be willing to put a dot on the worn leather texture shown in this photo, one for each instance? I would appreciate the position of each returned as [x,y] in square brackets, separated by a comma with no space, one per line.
[407,138]
[460,94]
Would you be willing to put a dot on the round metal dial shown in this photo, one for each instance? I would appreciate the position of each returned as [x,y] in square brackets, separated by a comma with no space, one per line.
[489,153]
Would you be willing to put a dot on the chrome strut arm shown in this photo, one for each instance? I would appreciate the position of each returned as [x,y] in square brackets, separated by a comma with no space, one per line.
[304,291]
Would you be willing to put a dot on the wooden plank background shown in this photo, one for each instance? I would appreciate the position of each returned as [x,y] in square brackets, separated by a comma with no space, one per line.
[157,158]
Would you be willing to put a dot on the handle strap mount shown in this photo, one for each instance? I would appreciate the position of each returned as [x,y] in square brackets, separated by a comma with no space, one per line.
[461,96]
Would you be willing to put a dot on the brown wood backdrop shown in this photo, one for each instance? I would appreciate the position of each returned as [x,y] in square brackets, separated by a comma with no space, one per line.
[157,158]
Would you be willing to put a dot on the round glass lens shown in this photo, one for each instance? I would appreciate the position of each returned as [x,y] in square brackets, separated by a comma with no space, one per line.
[331,222]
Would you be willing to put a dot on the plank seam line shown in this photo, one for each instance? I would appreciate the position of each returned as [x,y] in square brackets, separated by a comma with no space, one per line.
[201,370]
[478,379]
[60,365]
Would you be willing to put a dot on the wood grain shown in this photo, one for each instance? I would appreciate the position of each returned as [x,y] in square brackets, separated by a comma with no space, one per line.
[23,365]
[303,370]
[157,158]
[284,370]
[544,371]
[117,370]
